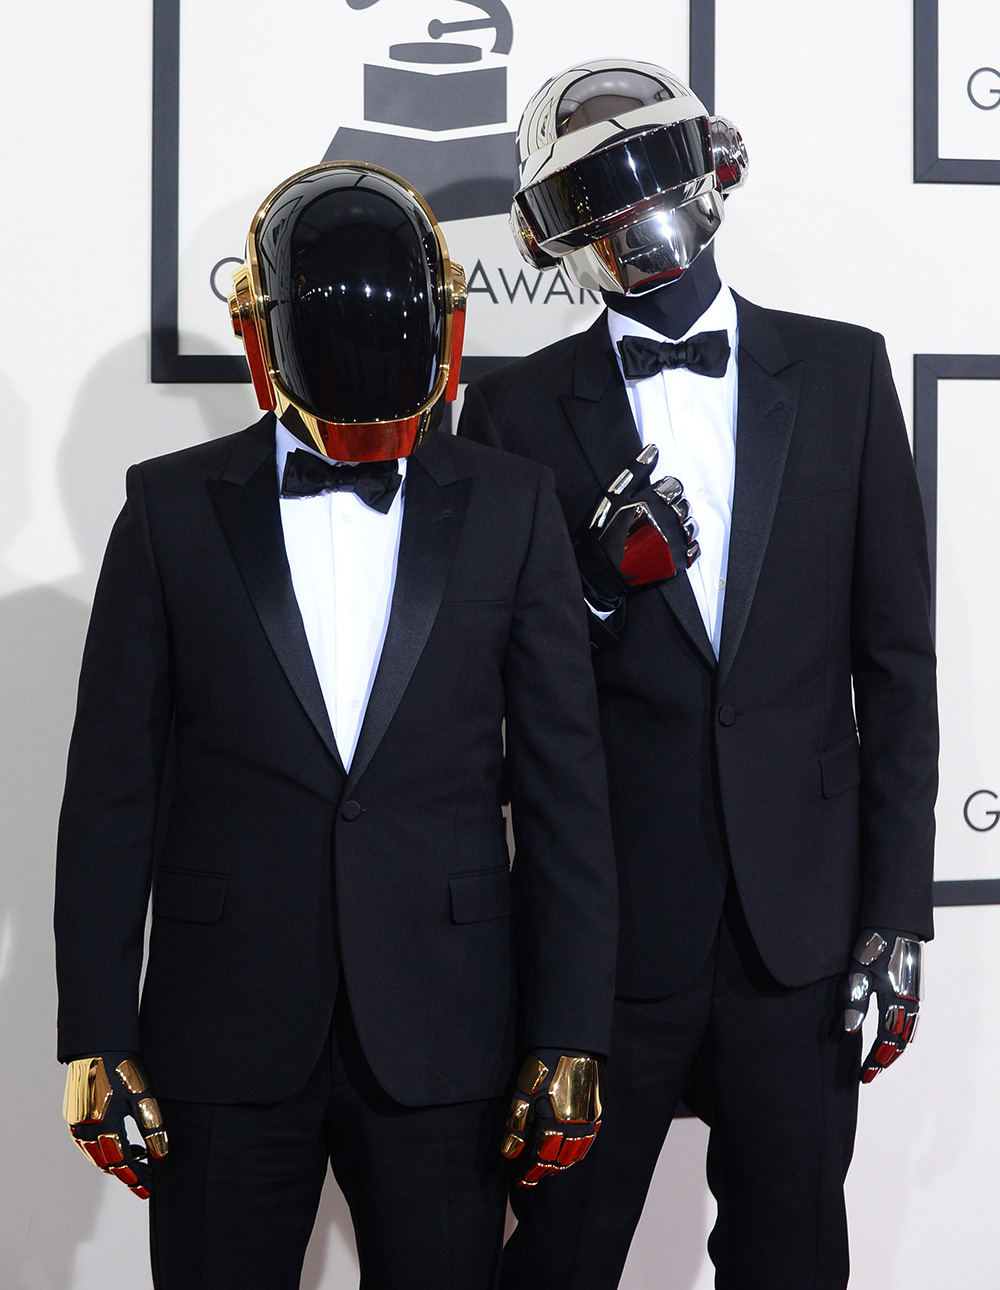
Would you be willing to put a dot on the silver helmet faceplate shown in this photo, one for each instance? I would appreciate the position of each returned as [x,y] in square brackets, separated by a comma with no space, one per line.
[623,174]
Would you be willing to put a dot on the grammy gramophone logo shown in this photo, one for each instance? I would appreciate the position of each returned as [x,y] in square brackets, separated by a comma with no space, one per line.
[435,86]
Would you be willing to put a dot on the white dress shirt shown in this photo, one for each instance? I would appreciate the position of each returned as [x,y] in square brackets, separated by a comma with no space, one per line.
[692,420]
[342,555]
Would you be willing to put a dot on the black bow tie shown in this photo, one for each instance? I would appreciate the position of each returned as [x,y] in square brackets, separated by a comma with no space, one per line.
[307,475]
[707,354]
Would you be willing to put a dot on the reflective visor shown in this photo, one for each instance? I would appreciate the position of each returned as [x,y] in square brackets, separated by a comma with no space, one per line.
[353,282]
[634,170]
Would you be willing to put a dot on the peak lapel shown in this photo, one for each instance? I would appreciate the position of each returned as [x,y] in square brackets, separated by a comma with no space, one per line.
[767,402]
[435,503]
[598,409]
[246,503]
[601,419]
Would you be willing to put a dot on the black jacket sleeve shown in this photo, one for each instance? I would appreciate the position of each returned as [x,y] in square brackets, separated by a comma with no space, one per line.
[108,821]
[568,897]
[892,660]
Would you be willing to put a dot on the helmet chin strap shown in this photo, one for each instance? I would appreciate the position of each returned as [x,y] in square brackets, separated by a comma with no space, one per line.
[676,306]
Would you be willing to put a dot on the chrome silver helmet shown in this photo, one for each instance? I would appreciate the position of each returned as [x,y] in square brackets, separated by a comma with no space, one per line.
[623,174]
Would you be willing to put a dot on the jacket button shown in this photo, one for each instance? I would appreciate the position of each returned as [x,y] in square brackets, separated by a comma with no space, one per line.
[351,811]
[727,715]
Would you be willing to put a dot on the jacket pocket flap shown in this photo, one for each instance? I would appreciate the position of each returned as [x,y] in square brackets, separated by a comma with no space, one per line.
[798,489]
[189,895]
[840,767]
[475,897]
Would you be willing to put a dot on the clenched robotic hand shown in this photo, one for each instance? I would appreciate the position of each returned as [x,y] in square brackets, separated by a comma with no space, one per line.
[555,1113]
[887,965]
[640,534]
[100,1092]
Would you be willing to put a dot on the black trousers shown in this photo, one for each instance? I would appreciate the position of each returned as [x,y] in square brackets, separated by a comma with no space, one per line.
[234,1202]
[776,1079]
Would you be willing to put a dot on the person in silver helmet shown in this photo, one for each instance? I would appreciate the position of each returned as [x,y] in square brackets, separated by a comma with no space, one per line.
[310,644]
[768,712]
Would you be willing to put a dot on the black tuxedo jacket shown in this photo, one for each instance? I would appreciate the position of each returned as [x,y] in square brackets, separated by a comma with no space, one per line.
[197,662]
[805,757]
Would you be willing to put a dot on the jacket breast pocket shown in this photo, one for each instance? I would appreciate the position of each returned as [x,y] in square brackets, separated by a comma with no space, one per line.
[466,593]
[840,767]
[189,895]
[800,488]
[477,897]
[489,582]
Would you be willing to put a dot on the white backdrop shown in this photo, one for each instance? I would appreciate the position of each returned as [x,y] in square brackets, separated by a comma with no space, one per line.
[830,223]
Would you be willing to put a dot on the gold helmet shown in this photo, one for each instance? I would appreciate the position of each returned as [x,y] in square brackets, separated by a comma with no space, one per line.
[351,312]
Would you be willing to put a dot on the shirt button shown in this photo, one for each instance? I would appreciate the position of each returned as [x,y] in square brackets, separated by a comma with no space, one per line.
[727,715]
[702,493]
[720,584]
[355,704]
[345,519]
[351,811]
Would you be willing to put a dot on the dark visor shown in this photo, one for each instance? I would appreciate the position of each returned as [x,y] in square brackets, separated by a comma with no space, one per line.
[631,171]
[352,274]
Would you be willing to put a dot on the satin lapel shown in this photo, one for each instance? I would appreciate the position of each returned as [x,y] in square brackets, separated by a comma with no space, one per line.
[679,596]
[601,418]
[766,406]
[598,409]
[435,505]
[246,502]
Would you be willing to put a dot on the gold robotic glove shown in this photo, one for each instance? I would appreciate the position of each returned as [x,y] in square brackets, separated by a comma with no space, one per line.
[100,1092]
[555,1113]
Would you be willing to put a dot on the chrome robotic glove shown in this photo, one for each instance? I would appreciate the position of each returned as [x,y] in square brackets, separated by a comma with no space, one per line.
[100,1092]
[554,1114]
[887,965]
[639,535]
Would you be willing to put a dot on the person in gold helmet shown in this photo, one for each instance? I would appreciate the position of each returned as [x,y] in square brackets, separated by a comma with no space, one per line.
[305,642]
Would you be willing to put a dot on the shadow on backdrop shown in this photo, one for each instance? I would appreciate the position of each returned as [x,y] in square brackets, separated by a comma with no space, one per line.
[46,1209]
[55,1204]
